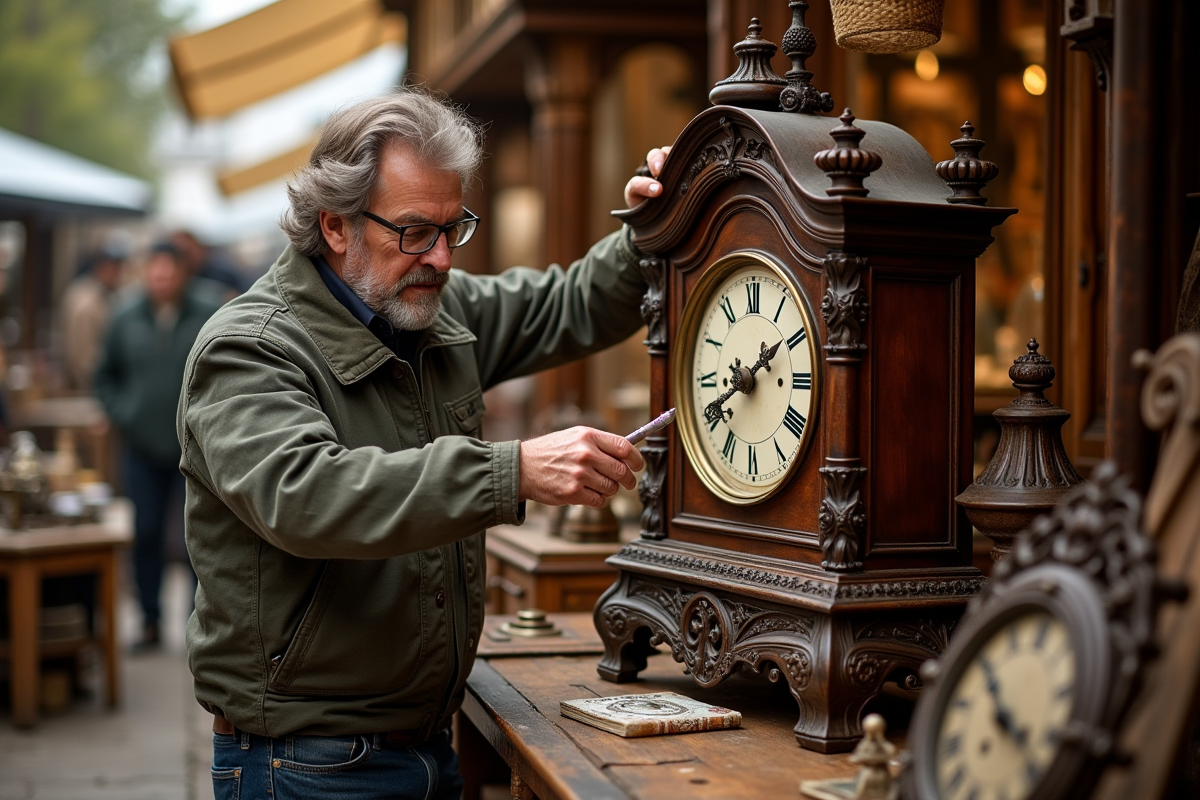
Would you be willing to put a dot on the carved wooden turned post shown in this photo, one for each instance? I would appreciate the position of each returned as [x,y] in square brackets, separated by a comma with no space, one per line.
[1030,470]
[799,44]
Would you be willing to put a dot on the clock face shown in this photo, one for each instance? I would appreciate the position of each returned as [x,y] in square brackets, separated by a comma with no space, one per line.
[1004,718]
[745,378]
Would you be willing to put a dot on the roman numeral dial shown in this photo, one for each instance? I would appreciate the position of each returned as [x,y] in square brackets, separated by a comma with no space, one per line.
[745,351]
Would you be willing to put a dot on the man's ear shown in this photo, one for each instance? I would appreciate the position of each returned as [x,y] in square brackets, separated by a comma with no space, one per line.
[336,231]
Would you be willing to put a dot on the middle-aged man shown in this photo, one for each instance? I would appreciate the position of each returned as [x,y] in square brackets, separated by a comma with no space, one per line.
[338,489]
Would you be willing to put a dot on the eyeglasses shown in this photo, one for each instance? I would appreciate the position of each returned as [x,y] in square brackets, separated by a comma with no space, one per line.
[420,237]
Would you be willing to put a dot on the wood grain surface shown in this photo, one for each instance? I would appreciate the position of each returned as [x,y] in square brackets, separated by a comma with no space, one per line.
[515,703]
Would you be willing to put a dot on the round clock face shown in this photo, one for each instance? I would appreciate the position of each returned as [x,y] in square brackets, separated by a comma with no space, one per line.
[1004,718]
[1016,698]
[745,378]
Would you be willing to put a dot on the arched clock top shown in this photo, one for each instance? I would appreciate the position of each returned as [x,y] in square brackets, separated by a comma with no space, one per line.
[776,150]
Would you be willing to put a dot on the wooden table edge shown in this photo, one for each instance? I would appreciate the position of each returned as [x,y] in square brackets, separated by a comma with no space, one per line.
[493,705]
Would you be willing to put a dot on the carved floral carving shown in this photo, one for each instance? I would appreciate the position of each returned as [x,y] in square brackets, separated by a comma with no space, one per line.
[844,306]
[652,303]
[725,155]
[650,492]
[842,518]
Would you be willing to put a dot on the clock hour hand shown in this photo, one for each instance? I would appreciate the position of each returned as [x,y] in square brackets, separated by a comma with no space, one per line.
[1004,718]
[742,380]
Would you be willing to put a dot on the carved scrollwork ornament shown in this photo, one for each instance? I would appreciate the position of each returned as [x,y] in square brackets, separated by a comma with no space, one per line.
[1171,400]
[725,154]
[844,305]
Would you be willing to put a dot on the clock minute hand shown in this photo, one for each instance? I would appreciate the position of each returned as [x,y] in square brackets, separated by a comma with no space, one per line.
[742,380]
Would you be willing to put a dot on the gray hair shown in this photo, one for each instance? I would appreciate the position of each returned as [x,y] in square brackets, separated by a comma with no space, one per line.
[343,168]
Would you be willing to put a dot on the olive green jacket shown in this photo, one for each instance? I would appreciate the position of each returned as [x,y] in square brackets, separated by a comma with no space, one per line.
[335,512]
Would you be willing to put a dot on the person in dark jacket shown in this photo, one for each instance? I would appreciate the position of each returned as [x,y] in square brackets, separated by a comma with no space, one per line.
[137,380]
[338,481]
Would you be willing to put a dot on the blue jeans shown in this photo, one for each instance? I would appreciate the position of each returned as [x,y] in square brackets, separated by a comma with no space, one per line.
[151,486]
[249,767]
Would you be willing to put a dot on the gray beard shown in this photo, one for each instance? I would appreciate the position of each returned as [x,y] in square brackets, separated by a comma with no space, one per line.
[384,299]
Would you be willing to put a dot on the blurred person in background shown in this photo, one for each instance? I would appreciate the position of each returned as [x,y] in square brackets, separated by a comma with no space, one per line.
[86,307]
[211,269]
[138,381]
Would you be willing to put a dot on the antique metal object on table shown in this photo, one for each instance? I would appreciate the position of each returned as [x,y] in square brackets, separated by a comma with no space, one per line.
[811,535]
[531,622]
[587,524]
[873,781]
[1030,470]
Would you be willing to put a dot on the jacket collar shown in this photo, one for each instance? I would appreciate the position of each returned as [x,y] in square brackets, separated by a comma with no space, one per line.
[351,350]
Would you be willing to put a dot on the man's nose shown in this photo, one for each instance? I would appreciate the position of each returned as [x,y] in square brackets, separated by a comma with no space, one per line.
[439,255]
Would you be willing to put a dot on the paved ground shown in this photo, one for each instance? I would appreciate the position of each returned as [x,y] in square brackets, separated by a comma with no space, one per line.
[156,746]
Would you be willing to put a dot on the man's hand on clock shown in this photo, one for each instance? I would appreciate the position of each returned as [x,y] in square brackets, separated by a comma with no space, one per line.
[642,186]
[742,380]
[579,466]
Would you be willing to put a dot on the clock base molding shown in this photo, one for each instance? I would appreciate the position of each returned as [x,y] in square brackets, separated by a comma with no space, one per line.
[835,640]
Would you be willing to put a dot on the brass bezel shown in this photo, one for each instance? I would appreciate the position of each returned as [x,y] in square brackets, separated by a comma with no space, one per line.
[683,356]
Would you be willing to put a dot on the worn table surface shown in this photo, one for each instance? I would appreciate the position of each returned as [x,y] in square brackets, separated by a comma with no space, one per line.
[514,702]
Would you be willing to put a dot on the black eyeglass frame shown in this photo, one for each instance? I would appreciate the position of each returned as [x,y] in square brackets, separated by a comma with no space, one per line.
[442,229]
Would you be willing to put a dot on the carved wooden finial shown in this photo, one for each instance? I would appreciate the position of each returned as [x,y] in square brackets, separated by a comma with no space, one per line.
[1030,470]
[754,84]
[846,163]
[1032,373]
[967,173]
[799,44]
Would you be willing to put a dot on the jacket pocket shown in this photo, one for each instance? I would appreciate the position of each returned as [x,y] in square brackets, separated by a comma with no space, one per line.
[467,412]
[353,641]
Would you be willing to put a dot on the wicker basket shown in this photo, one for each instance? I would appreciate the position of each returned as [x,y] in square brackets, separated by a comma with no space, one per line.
[887,26]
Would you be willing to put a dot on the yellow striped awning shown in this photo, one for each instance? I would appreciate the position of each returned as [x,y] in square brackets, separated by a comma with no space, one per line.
[276,48]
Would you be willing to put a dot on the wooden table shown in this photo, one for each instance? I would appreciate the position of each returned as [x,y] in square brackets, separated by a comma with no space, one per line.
[514,703]
[28,556]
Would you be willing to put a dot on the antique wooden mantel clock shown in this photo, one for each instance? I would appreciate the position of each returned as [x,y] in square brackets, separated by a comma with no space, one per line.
[811,316]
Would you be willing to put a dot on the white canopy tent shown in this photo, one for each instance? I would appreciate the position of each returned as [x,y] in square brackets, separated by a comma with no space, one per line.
[37,177]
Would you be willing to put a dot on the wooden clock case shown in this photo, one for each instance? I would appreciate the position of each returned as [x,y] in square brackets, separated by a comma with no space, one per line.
[855,572]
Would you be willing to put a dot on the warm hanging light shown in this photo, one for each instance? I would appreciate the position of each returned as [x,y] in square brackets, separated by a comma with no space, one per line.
[926,65]
[1034,79]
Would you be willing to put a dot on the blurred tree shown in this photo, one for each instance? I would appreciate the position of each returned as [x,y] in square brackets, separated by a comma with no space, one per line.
[87,76]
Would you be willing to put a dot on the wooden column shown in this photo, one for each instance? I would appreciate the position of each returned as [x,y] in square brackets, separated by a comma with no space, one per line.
[560,78]
[1142,131]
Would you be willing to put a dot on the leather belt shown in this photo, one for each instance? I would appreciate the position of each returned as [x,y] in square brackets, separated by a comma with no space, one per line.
[225,727]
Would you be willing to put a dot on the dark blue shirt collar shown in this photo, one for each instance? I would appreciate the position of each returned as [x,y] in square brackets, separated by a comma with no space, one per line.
[375,323]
